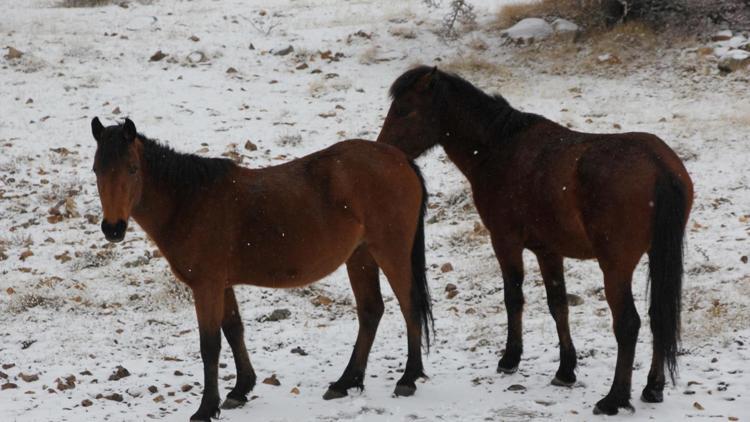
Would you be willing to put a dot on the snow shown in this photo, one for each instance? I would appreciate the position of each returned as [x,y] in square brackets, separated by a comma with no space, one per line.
[529,29]
[79,303]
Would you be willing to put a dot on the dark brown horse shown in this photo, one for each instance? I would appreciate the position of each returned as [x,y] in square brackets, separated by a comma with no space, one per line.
[219,224]
[560,193]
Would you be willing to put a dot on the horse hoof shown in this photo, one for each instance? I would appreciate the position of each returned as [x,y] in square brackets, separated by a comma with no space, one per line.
[562,383]
[501,370]
[404,390]
[232,403]
[603,408]
[652,396]
[332,394]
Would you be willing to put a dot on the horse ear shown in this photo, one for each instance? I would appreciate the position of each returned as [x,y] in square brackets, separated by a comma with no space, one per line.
[128,130]
[97,128]
[428,80]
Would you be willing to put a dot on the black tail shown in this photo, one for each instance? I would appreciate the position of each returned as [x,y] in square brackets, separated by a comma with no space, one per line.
[420,291]
[665,267]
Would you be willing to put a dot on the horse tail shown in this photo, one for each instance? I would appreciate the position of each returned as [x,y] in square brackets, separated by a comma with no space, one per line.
[666,267]
[420,291]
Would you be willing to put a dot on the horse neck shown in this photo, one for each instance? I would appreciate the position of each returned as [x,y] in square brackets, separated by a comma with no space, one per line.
[468,138]
[156,207]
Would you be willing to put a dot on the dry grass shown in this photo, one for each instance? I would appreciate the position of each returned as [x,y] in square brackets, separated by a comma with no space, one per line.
[97,3]
[473,64]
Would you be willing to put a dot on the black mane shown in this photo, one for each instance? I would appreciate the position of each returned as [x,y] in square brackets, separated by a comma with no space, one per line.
[451,90]
[183,172]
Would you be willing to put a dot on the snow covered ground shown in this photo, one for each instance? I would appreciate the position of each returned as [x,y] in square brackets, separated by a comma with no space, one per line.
[72,304]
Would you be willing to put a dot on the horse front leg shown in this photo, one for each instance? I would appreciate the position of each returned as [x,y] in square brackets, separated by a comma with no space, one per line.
[209,307]
[511,264]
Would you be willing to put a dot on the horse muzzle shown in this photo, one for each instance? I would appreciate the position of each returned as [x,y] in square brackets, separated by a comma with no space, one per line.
[114,232]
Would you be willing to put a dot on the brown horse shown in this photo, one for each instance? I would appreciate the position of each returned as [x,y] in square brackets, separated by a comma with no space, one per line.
[560,193]
[219,224]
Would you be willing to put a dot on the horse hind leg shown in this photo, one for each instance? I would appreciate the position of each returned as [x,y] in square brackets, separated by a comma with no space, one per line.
[626,323]
[364,278]
[397,269]
[234,333]
[551,266]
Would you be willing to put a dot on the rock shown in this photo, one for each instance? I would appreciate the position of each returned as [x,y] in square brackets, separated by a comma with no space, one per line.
[13,54]
[197,57]
[528,30]
[194,38]
[302,66]
[272,380]
[565,29]
[446,268]
[516,387]
[231,70]
[86,403]
[158,399]
[283,51]
[734,60]
[3,375]
[152,389]
[743,258]
[574,300]
[28,377]
[8,386]
[724,35]
[67,383]
[698,406]
[250,146]
[114,397]
[120,372]
[736,42]
[295,391]
[451,294]
[159,55]
[450,287]
[178,373]
[116,110]
[186,387]
[278,315]
[299,351]
[7,366]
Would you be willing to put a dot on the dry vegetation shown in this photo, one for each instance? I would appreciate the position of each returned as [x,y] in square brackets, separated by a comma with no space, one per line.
[587,13]
[98,3]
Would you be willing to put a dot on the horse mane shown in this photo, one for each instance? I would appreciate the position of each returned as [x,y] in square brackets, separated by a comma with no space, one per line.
[182,171]
[448,87]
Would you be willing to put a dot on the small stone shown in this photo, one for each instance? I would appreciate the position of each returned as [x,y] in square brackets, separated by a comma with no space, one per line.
[450,287]
[8,365]
[302,66]
[231,70]
[250,146]
[279,314]
[28,377]
[159,55]
[688,392]
[272,380]
[30,101]
[178,373]
[158,399]
[295,391]
[8,386]
[283,51]
[194,38]
[322,300]
[516,387]
[119,373]
[451,294]
[574,300]
[186,387]
[299,351]
[698,406]
[114,397]
[152,389]
[724,35]
[446,268]
[13,54]
[116,110]
[743,258]
[3,375]
[86,403]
